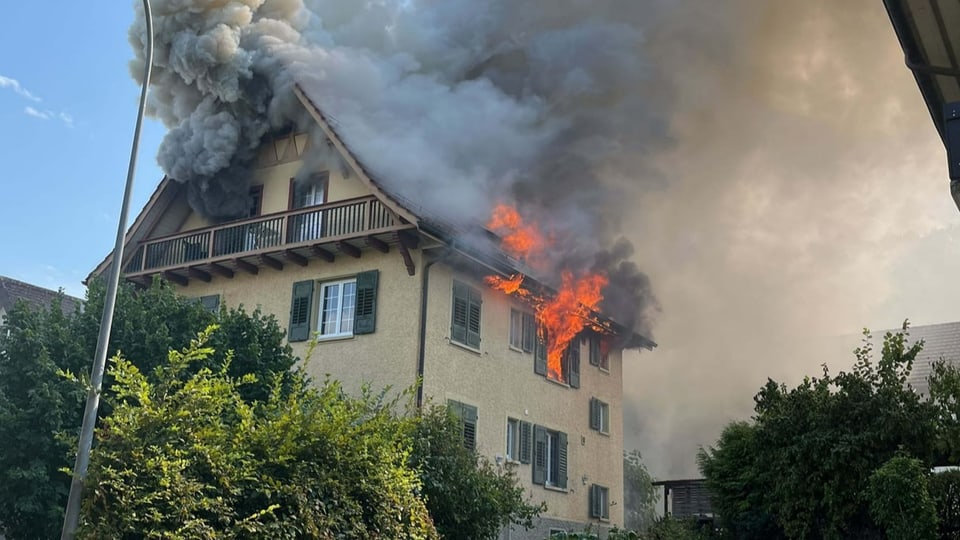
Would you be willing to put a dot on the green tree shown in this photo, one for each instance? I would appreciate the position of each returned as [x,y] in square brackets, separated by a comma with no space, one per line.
[37,407]
[184,455]
[899,500]
[639,495]
[809,453]
[40,412]
[467,496]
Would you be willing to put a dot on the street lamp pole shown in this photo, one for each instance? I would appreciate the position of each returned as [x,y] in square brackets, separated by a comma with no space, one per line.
[72,515]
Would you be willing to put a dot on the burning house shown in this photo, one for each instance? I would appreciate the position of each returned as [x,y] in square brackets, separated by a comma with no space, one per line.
[424,212]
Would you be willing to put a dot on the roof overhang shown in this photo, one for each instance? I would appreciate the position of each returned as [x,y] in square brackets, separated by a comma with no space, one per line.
[929,34]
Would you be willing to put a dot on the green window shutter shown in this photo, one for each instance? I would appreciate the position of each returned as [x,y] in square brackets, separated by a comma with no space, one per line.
[540,355]
[594,414]
[562,472]
[365,314]
[594,350]
[459,315]
[525,442]
[469,426]
[529,332]
[474,302]
[594,502]
[539,455]
[573,362]
[300,306]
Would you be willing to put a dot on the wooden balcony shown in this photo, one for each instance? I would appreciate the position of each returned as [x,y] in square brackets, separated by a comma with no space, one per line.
[318,232]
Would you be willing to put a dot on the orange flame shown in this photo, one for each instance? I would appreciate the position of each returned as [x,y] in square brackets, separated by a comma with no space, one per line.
[520,240]
[561,317]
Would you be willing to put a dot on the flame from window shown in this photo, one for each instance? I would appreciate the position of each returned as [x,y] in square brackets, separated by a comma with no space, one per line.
[561,316]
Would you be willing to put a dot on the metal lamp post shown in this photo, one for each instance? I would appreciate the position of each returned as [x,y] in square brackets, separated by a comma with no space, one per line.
[72,514]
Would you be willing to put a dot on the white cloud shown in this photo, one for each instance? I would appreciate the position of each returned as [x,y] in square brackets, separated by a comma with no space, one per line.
[66,118]
[13,84]
[30,111]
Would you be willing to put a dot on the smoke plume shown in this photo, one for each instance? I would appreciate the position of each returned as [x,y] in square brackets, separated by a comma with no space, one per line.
[457,105]
[770,160]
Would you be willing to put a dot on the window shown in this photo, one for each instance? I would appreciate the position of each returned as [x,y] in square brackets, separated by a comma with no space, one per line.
[337,302]
[523,331]
[256,201]
[465,316]
[599,354]
[599,502]
[346,307]
[599,416]
[550,457]
[518,440]
[467,414]
[304,194]
[516,330]
[569,361]
[513,439]
[210,302]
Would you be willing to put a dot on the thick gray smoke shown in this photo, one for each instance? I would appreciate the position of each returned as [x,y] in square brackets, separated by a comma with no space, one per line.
[457,105]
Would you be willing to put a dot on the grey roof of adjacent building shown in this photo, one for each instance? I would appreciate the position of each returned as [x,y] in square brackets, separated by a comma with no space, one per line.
[941,341]
[12,290]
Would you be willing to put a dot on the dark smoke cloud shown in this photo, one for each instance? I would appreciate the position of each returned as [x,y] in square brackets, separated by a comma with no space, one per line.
[457,105]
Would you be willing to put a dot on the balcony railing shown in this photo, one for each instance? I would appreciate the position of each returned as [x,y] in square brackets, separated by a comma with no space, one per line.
[301,228]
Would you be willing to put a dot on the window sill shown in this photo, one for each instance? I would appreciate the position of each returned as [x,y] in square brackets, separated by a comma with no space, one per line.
[556,382]
[515,349]
[336,337]
[459,345]
[555,488]
[604,369]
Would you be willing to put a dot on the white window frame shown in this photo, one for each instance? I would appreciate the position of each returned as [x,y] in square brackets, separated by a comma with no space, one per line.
[513,440]
[338,331]
[604,417]
[552,470]
[516,329]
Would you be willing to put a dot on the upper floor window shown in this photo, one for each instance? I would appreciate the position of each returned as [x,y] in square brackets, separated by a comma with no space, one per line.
[518,440]
[550,457]
[256,201]
[465,316]
[569,372]
[599,415]
[523,330]
[337,303]
[599,354]
[345,307]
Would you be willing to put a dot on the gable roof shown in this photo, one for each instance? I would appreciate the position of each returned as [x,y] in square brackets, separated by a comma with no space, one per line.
[12,290]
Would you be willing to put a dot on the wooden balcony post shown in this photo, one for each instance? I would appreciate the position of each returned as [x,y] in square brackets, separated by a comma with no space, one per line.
[210,242]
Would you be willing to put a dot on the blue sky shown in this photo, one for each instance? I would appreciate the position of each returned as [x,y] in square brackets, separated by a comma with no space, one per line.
[67,112]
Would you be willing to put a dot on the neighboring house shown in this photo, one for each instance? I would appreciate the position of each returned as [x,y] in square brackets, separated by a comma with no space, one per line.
[392,295]
[12,290]
[686,499]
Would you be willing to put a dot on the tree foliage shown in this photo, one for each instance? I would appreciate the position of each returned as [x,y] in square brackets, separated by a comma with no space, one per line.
[639,495]
[802,467]
[944,489]
[185,456]
[468,497]
[40,412]
[899,501]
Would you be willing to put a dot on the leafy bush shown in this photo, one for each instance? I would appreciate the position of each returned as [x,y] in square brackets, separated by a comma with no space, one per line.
[183,455]
[899,501]
[467,496]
